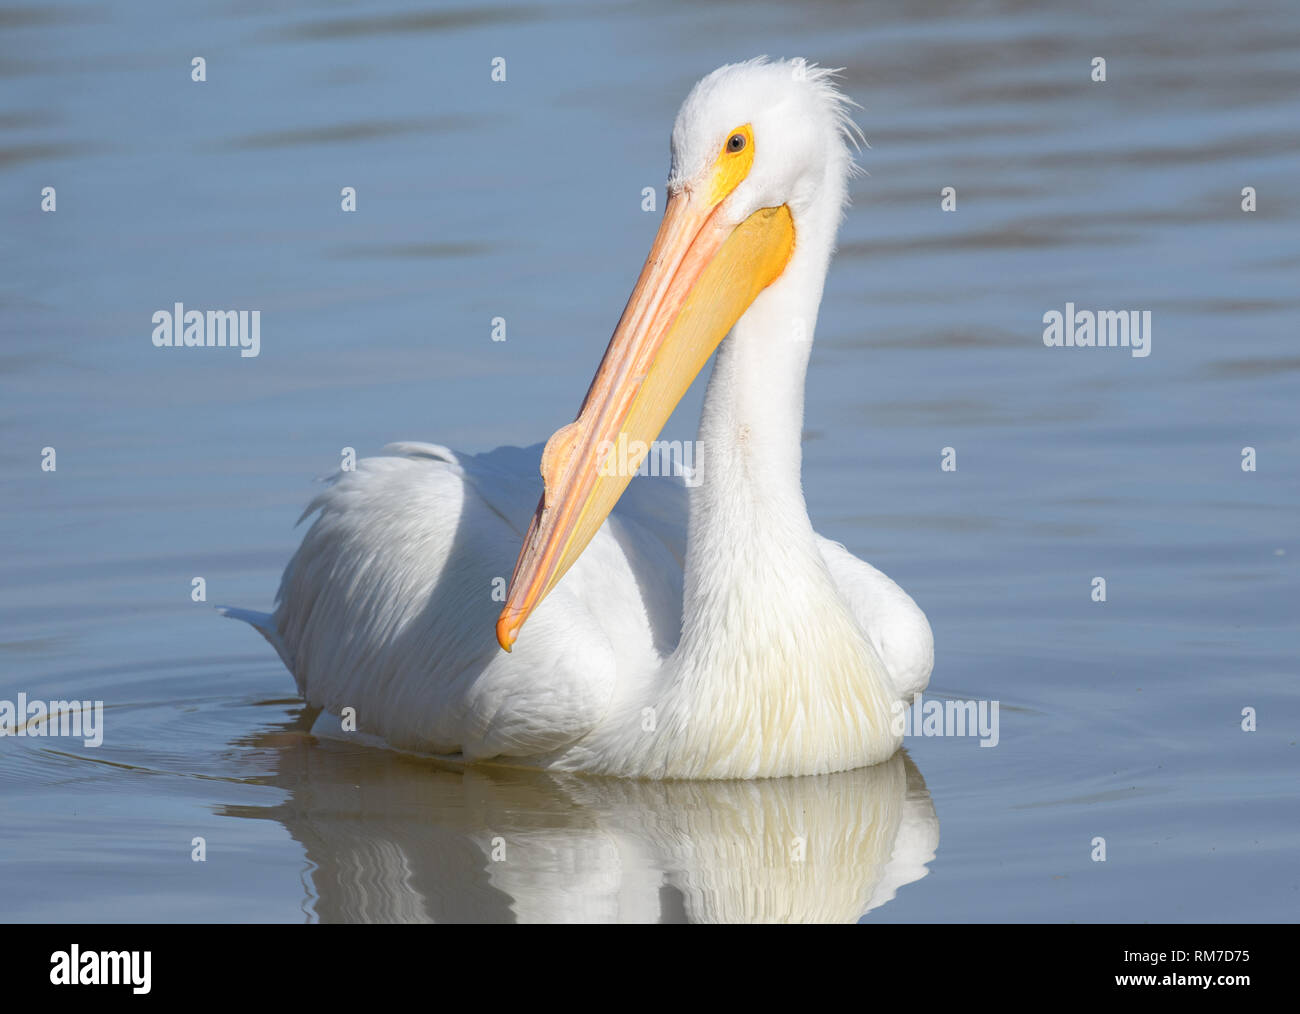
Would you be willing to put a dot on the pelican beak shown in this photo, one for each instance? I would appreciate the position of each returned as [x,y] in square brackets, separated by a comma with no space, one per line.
[700,277]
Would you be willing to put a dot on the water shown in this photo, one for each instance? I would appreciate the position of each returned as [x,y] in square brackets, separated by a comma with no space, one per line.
[1119,720]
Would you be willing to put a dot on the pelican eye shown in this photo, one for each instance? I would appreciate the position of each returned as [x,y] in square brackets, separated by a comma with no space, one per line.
[733,163]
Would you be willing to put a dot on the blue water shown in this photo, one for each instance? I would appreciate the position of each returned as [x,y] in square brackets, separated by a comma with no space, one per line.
[478,199]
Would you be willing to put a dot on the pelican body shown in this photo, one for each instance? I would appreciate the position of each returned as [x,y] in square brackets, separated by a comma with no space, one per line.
[652,630]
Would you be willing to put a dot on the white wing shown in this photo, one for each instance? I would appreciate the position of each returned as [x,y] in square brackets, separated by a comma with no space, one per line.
[895,624]
[389,606]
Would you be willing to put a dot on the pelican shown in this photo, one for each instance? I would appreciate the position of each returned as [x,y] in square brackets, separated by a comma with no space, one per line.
[653,630]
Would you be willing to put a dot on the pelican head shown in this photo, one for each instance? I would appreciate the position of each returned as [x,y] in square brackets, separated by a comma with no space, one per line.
[795,132]
[760,162]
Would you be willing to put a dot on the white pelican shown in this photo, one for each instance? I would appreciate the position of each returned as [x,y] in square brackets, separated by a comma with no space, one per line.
[714,635]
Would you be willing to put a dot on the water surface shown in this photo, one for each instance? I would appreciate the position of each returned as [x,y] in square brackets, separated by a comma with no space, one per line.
[1119,720]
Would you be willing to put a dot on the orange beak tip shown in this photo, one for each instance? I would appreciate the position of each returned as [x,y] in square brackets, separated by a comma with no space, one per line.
[506,634]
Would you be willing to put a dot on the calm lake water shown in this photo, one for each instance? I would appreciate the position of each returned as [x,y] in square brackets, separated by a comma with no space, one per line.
[1119,720]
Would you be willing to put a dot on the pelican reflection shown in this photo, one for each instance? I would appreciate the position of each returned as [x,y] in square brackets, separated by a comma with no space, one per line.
[391,838]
